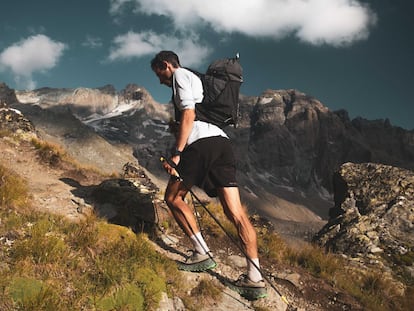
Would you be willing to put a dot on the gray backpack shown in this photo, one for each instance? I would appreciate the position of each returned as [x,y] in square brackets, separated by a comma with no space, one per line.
[221,86]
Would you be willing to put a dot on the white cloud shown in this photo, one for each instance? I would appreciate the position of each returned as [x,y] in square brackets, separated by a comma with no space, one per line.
[92,42]
[37,53]
[134,44]
[334,22]
[116,5]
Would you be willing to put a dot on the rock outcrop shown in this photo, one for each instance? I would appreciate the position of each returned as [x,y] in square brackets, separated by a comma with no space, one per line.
[7,95]
[373,216]
[11,119]
[297,141]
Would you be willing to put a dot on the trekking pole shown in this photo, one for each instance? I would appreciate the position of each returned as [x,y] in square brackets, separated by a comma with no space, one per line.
[163,159]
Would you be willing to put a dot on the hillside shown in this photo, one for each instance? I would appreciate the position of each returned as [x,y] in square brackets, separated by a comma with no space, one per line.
[288,144]
[100,140]
[63,187]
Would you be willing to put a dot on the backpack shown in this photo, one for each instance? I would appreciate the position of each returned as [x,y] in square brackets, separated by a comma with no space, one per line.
[221,86]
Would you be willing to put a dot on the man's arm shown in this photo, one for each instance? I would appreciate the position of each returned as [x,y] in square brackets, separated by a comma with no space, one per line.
[184,130]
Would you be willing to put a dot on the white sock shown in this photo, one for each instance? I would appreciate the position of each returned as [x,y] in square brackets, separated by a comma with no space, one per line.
[199,244]
[252,272]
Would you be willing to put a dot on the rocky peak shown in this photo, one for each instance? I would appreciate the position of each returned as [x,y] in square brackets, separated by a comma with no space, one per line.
[296,140]
[282,105]
[373,216]
[12,119]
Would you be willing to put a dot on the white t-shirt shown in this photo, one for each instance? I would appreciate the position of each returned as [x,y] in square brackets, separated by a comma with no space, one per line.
[187,91]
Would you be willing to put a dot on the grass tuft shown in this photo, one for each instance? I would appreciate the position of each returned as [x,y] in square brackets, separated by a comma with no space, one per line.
[13,189]
[127,297]
[49,153]
[31,294]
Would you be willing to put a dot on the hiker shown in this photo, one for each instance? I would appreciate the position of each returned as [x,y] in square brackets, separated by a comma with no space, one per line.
[203,156]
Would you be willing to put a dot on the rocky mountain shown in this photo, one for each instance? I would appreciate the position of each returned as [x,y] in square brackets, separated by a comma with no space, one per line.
[288,144]
[373,218]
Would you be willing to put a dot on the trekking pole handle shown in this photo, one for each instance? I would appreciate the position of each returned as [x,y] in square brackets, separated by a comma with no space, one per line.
[173,165]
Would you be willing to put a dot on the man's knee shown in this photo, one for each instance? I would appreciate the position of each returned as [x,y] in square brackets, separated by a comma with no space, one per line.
[173,196]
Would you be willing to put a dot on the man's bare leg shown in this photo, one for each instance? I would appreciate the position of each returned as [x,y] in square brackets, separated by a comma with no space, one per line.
[230,200]
[183,214]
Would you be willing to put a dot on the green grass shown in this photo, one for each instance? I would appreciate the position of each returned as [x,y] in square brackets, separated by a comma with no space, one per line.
[112,269]
[50,263]
[373,289]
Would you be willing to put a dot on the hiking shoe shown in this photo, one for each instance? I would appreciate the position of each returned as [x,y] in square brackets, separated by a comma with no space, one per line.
[198,263]
[249,289]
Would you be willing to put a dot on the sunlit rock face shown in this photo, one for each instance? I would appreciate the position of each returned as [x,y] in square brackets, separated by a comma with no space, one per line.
[373,216]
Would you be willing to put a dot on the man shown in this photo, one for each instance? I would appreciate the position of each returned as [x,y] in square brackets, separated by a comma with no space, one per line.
[203,156]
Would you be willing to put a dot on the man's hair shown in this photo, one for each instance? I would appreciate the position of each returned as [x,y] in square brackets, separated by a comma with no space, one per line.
[165,56]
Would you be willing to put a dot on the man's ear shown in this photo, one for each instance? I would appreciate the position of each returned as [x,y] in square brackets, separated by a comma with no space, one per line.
[164,65]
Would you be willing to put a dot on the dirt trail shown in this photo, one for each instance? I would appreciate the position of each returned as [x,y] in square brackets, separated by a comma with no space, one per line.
[46,185]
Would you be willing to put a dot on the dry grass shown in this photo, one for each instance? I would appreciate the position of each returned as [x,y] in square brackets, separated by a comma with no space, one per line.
[51,154]
[13,190]
[55,155]
[49,263]
[372,288]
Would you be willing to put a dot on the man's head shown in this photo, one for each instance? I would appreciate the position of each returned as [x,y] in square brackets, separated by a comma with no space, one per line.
[164,65]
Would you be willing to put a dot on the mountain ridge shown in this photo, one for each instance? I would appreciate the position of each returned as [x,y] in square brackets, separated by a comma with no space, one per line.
[287,144]
[288,218]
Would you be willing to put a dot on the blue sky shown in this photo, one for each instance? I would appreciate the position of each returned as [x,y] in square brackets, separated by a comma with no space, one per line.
[349,54]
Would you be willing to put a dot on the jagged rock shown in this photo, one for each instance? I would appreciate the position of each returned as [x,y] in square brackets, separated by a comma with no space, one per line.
[139,178]
[131,201]
[373,216]
[11,119]
[7,95]
[294,139]
[121,202]
[14,121]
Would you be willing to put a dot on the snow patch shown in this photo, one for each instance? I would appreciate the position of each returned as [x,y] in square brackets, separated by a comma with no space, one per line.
[11,109]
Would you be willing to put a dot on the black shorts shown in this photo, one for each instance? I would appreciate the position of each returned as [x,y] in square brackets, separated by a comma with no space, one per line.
[208,163]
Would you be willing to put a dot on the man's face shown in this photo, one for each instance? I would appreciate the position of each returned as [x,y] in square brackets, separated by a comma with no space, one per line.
[165,75]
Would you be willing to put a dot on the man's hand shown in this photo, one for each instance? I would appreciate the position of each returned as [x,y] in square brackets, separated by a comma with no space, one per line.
[167,165]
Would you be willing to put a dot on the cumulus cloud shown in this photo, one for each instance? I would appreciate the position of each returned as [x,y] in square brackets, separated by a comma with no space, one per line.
[134,44]
[37,53]
[333,22]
